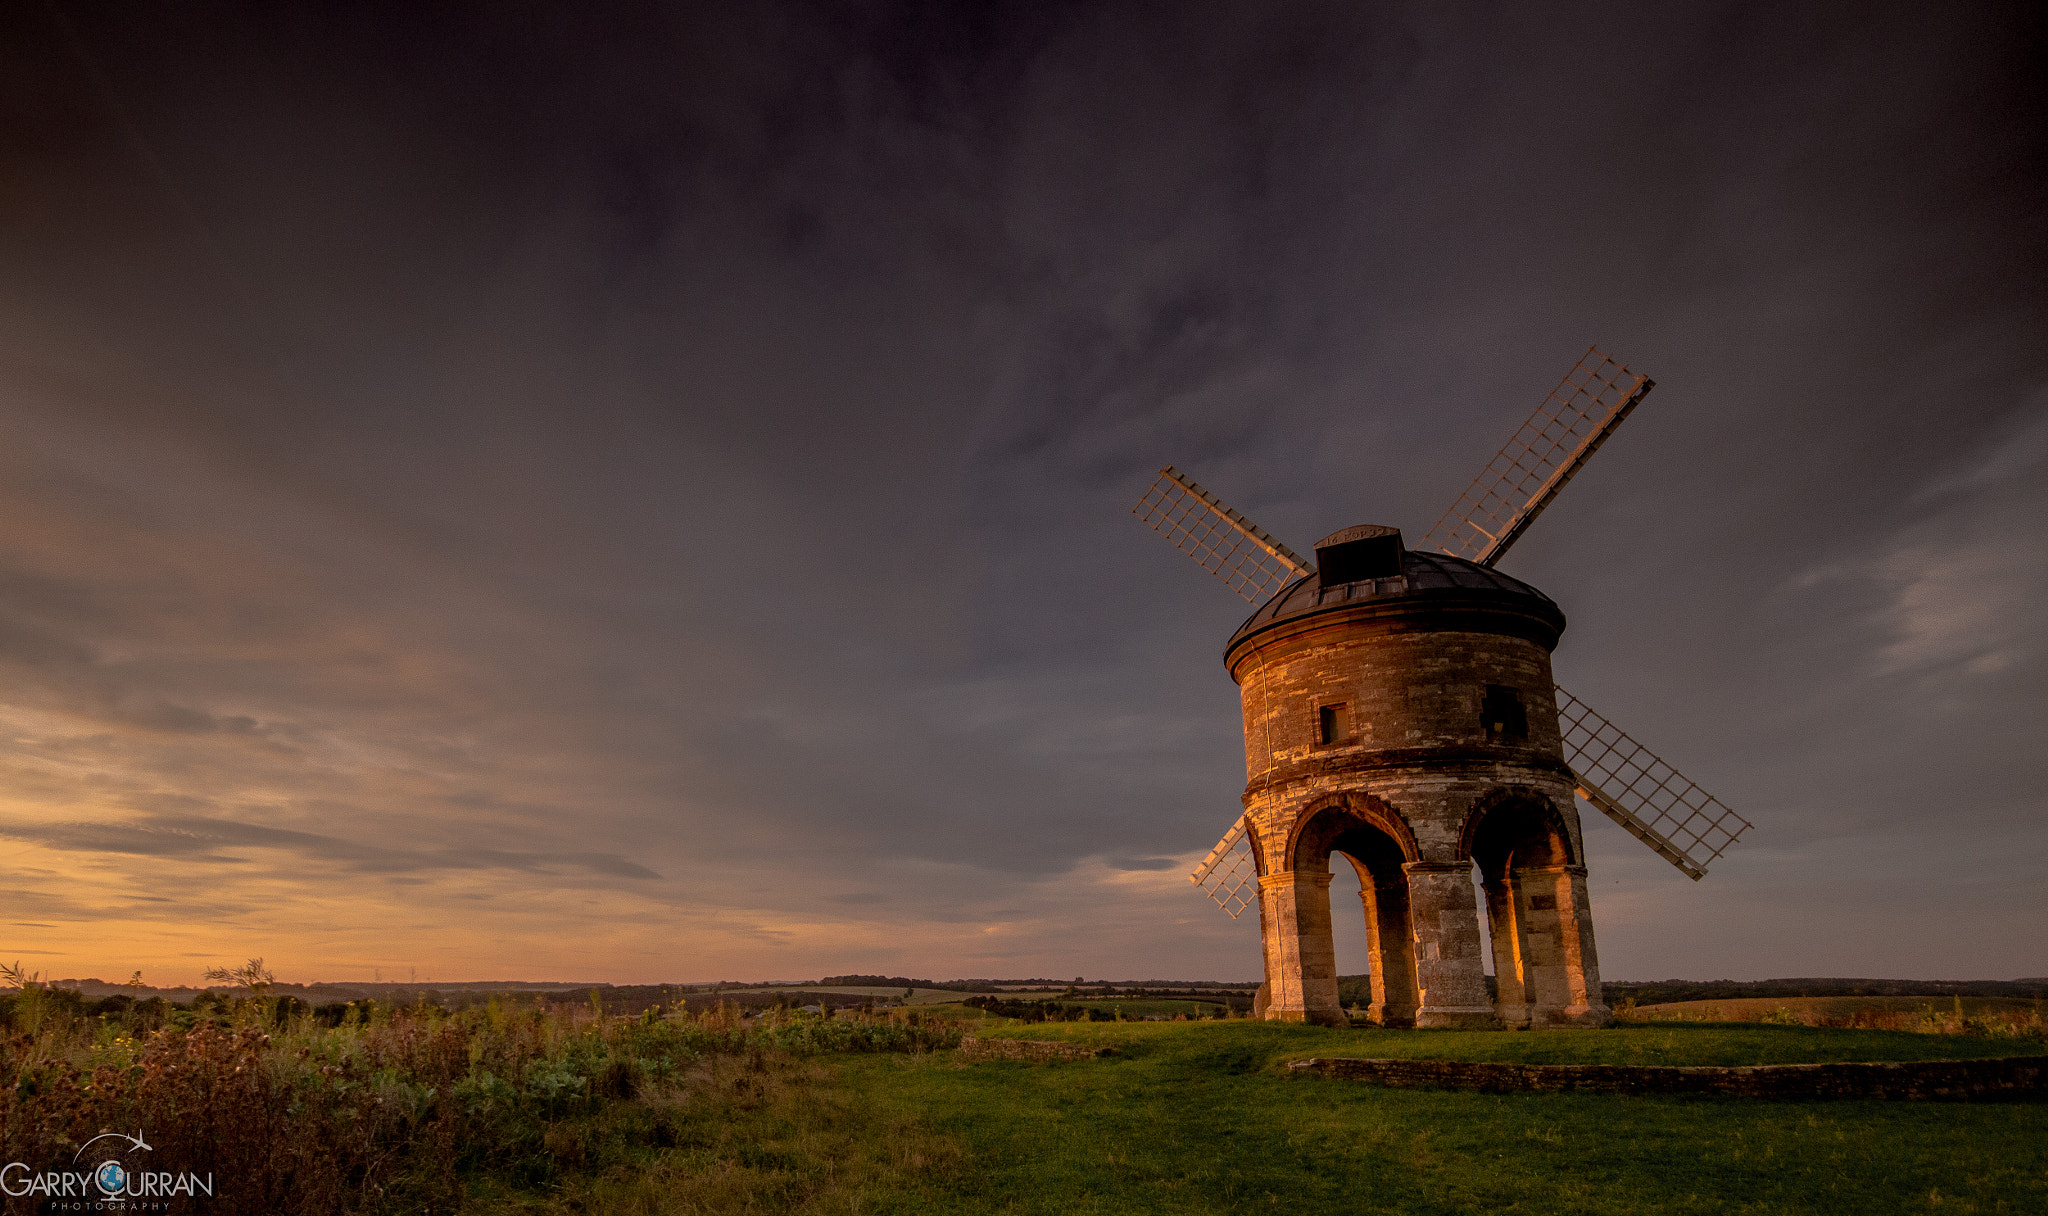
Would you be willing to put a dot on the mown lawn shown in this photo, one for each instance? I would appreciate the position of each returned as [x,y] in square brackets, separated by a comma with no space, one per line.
[1198,1118]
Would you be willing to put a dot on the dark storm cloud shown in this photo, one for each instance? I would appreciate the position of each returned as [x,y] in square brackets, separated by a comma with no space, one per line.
[635,440]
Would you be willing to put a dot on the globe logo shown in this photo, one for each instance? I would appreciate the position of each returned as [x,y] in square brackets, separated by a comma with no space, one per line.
[110,1177]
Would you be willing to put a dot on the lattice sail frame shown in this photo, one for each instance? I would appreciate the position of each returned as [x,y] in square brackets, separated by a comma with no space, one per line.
[1230,873]
[1652,801]
[1556,441]
[1226,544]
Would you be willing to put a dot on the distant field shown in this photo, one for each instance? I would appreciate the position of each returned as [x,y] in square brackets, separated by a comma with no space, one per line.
[1139,1007]
[1131,1008]
[918,996]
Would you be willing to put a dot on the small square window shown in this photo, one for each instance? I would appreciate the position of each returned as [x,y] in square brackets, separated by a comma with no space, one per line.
[1332,724]
[1503,716]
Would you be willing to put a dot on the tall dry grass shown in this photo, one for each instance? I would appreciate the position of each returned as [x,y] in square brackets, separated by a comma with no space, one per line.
[416,1109]
[1981,1019]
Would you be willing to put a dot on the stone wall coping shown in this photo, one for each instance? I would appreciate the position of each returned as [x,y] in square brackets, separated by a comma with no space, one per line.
[1903,1080]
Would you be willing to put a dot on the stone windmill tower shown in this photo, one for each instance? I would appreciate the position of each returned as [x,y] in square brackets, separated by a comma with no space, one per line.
[1399,711]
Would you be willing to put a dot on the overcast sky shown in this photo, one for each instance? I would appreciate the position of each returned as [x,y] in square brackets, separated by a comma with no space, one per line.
[641,494]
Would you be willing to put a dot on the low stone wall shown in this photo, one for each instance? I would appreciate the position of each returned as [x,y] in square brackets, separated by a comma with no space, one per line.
[1031,1051]
[1915,1080]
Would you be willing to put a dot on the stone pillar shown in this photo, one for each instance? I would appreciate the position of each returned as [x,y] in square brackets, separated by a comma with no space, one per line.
[1582,963]
[1511,1000]
[1544,968]
[1301,956]
[1563,971]
[1447,967]
[1390,944]
[1263,998]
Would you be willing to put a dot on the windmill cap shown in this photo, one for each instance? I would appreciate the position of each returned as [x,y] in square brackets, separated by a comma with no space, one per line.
[1366,551]
[1360,532]
[1433,590]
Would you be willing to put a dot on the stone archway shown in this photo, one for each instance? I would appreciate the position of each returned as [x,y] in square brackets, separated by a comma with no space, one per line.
[1545,969]
[1301,956]
[1389,933]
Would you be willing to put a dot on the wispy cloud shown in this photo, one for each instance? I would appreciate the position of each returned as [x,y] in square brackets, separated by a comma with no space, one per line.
[197,839]
[1964,587]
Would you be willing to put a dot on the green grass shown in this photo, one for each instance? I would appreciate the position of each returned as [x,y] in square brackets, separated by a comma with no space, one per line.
[548,1110]
[1270,1045]
[1199,1118]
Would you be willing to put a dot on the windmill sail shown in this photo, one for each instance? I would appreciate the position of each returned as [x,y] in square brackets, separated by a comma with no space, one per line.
[1652,801]
[1556,441]
[1230,873]
[1226,544]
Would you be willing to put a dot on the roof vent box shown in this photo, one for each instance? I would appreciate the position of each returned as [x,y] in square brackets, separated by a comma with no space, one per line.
[1356,554]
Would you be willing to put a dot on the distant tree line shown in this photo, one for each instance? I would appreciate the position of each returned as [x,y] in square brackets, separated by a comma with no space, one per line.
[1037,1011]
[983,985]
[897,981]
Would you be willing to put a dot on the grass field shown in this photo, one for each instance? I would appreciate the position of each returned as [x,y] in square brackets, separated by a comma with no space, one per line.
[546,1108]
[1269,1045]
[1196,1118]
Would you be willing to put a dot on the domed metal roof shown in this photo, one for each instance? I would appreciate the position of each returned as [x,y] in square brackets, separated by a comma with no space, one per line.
[1424,577]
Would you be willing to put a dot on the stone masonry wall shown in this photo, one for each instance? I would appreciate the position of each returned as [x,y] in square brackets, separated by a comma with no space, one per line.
[1401,691]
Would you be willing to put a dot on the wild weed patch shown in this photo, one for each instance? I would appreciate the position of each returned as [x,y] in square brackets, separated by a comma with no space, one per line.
[420,1109]
[1967,1016]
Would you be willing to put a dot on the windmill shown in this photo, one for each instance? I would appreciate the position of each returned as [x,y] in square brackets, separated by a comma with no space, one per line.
[1399,711]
